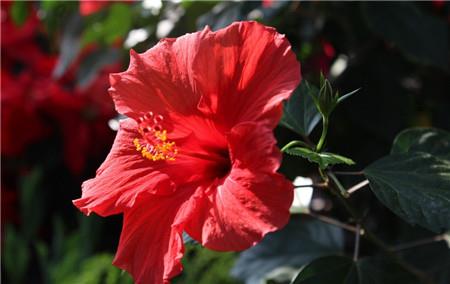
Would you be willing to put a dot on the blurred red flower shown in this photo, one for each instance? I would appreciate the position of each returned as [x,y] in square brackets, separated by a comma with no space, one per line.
[21,123]
[33,100]
[88,7]
[82,115]
[322,58]
[197,153]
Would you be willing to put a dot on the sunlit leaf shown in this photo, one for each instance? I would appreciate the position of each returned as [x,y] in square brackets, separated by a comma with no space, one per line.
[323,159]
[204,266]
[19,12]
[107,30]
[428,140]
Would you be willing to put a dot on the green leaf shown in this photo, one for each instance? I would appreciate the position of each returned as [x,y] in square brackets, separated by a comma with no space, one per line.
[116,25]
[415,186]
[15,255]
[419,36]
[433,259]
[118,22]
[204,266]
[299,113]
[428,140]
[19,12]
[324,159]
[301,241]
[343,270]
[31,202]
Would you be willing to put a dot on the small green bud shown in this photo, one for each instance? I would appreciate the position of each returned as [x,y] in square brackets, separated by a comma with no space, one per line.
[325,100]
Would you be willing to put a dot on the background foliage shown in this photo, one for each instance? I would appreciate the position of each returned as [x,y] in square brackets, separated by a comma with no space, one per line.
[58,123]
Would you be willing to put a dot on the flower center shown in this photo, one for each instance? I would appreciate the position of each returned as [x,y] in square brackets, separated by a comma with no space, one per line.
[155,145]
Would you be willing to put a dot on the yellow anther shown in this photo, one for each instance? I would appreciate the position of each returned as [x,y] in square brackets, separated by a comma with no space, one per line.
[162,135]
[160,148]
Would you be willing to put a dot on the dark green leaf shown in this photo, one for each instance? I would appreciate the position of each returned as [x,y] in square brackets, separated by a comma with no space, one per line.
[428,140]
[433,258]
[416,186]
[301,241]
[421,37]
[32,202]
[343,270]
[19,12]
[300,113]
[15,256]
[324,159]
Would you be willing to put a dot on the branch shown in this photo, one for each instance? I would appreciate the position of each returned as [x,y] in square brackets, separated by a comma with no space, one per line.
[417,243]
[360,173]
[358,186]
[357,237]
[335,222]
[316,185]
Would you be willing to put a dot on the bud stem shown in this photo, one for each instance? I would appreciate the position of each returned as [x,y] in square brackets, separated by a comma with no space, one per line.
[324,133]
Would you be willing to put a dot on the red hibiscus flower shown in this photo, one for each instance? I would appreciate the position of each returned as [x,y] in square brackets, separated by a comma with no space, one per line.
[197,153]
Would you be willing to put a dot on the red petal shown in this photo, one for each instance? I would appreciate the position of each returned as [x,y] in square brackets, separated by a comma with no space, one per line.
[244,72]
[240,73]
[158,79]
[122,177]
[251,201]
[125,174]
[253,146]
[151,244]
[238,213]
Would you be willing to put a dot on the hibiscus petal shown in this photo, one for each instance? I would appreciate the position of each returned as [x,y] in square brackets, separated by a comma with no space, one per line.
[151,245]
[239,212]
[253,146]
[158,79]
[244,72]
[251,201]
[240,73]
[122,177]
[125,174]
